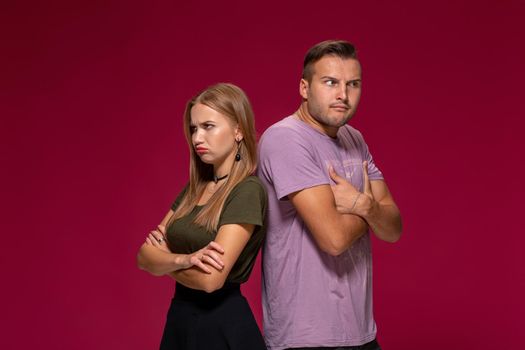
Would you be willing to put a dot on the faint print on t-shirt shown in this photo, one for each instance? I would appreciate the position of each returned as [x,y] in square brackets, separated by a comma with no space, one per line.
[351,170]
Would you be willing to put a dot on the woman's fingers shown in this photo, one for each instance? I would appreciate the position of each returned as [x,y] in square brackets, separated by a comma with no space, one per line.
[162,230]
[211,252]
[218,265]
[152,239]
[208,256]
[216,246]
[196,260]
[157,237]
[213,259]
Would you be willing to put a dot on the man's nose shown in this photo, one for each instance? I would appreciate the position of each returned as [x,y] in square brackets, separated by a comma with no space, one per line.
[342,93]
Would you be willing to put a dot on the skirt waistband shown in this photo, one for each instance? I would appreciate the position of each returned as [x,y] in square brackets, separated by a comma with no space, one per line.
[184,293]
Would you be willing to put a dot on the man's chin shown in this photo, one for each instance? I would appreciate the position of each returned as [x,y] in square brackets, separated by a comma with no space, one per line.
[337,122]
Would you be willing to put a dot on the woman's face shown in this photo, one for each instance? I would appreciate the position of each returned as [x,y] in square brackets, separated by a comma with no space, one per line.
[214,138]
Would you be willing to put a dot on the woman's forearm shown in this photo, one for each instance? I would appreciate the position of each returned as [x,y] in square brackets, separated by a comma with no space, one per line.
[158,262]
[198,279]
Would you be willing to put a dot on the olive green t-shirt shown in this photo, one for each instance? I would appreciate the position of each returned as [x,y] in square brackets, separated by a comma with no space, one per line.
[246,204]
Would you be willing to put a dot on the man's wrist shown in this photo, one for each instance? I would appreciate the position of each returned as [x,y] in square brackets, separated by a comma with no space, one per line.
[369,208]
[354,202]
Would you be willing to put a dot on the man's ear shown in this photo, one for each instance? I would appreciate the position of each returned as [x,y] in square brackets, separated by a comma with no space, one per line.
[303,89]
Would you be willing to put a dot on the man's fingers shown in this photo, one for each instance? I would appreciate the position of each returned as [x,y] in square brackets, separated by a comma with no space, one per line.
[366,180]
[333,175]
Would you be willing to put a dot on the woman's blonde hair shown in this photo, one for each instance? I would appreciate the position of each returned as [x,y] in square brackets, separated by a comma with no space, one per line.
[232,102]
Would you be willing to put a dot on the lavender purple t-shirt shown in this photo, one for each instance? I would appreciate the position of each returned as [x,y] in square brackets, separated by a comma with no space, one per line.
[311,298]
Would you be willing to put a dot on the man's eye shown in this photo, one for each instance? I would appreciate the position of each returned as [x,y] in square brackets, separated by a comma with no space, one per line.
[355,84]
[330,82]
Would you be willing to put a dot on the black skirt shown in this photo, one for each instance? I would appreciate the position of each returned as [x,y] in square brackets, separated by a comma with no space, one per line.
[210,321]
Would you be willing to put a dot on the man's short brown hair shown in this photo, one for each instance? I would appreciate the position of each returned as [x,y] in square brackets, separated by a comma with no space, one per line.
[338,48]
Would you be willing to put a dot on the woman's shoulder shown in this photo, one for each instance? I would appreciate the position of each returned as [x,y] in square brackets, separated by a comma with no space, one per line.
[250,185]
[179,197]
[250,182]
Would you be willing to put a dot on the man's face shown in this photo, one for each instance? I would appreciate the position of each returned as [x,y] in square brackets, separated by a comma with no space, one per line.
[333,93]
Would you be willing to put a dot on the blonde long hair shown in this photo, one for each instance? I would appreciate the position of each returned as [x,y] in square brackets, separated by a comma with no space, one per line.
[232,102]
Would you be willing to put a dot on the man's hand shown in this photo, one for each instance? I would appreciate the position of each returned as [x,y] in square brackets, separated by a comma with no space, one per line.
[379,211]
[348,199]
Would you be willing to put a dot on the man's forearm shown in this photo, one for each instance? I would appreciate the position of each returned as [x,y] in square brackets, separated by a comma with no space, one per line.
[355,227]
[385,221]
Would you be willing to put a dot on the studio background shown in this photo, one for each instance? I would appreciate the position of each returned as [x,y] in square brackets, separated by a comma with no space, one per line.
[92,96]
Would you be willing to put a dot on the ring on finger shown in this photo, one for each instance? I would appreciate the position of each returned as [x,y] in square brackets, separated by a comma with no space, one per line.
[160,240]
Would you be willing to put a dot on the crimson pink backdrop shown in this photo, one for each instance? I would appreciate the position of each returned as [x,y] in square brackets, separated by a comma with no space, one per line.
[92,94]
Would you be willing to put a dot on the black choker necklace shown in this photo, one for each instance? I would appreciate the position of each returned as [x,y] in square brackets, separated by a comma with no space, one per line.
[217,179]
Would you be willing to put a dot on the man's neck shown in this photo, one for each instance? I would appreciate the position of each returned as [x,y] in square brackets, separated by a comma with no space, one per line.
[303,115]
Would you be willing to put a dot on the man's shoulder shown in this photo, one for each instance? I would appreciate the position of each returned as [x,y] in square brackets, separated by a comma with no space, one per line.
[350,134]
[286,134]
[285,126]
[349,130]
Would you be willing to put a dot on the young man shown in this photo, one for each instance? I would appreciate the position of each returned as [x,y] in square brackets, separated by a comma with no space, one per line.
[325,193]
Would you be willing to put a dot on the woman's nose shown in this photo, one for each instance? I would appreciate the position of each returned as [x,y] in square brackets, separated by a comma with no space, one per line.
[197,136]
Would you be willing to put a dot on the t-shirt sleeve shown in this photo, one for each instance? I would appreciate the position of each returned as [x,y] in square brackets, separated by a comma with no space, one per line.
[373,171]
[179,198]
[286,160]
[246,204]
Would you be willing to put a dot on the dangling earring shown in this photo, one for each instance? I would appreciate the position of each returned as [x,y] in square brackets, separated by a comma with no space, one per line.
[238,155]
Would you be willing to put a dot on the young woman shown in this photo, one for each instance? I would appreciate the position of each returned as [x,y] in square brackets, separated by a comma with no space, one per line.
[210,238]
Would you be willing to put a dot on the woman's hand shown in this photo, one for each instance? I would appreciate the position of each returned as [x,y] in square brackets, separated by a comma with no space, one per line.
[209,255]
[157,238]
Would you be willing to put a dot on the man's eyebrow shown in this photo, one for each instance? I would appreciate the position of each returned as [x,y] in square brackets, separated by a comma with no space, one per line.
[328,77]
[332,78]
